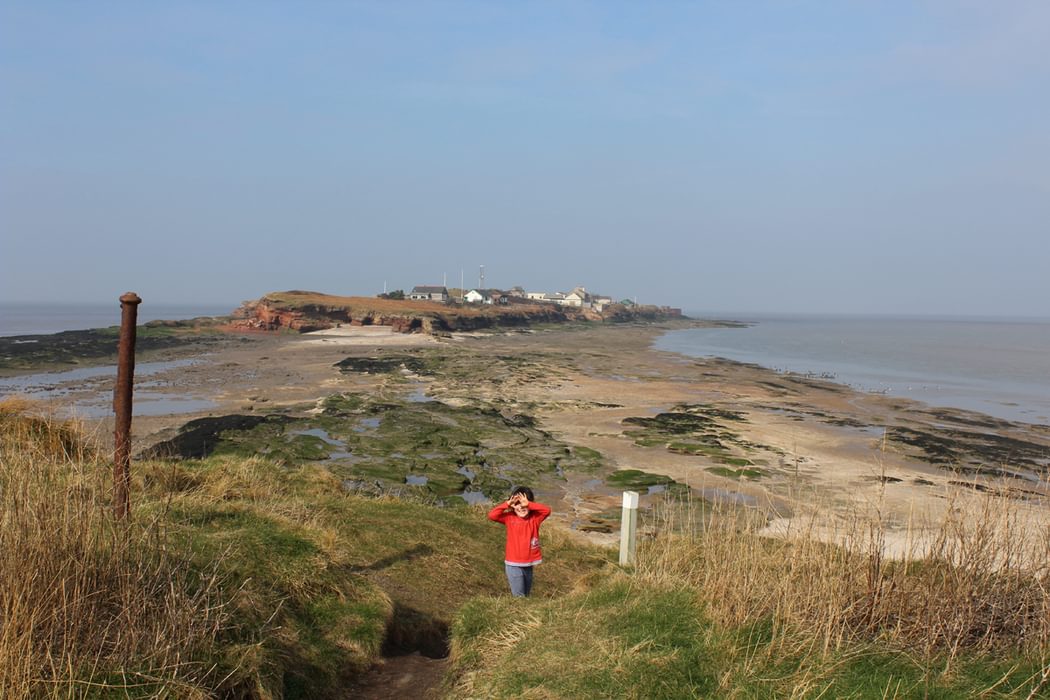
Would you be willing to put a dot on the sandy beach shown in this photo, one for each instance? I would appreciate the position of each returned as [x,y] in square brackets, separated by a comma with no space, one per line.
[813,446]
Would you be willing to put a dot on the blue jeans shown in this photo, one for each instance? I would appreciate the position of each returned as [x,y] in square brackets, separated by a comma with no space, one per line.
[520,579]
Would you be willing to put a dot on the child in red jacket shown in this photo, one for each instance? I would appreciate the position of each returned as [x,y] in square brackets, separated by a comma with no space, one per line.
[522,518]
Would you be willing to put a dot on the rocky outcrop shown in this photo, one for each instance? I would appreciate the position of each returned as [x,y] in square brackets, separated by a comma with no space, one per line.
[271,315]
[621,313]
[263,315]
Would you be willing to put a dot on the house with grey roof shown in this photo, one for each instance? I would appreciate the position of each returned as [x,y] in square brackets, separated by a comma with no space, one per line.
[426,293]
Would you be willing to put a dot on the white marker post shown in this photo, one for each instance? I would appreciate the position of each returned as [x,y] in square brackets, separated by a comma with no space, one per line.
[628,527]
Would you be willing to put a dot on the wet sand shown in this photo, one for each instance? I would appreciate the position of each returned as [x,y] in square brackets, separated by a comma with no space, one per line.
[826,445]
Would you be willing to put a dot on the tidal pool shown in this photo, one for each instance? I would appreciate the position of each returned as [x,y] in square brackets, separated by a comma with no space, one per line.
[323,434]
[88,391]
[474,497]
[146,404]
[43,382]
[418,396]
[366,424]
[726,496]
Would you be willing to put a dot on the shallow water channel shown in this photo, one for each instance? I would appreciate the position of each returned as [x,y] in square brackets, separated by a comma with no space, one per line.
[87,392]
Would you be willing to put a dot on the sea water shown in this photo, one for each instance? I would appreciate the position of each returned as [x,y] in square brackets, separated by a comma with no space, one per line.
[997,367]
[45,318]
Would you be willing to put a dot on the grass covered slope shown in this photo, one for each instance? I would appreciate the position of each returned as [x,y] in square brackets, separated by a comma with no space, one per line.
[615,640]
[730,613]
[88,606]
[327,581]
[624,639]
[235,575]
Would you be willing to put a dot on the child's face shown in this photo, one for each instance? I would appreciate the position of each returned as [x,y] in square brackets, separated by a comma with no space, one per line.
[521,510]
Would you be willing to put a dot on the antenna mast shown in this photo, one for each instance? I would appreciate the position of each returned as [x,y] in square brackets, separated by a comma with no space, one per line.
[481,278]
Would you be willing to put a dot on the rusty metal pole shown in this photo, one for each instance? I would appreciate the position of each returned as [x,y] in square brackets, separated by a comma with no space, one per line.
[129,311]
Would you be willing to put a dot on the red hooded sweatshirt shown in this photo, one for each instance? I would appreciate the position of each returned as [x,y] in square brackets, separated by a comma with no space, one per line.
[523,534]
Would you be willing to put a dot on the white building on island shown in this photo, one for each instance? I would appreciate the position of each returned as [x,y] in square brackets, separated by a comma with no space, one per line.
[486,296]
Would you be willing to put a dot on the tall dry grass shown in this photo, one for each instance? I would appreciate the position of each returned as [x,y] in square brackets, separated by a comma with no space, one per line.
[976,579]
[89,606]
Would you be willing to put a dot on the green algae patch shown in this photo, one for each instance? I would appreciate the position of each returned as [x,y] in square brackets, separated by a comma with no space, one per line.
[343,404]
[635,479]
[586,459]
[382,364]
[199,438]
[678,421]
[99,345]
[379,446]
[694,429]
[746,473]
[974,452]
[604,521]
[711,447]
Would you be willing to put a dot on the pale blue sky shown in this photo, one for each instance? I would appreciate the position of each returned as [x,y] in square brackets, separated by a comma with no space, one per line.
[852,157]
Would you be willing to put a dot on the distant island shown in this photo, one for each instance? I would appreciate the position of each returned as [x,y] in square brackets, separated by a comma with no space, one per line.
[433,310]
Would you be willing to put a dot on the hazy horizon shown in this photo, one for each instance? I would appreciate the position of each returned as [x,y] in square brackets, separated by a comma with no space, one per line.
[869,158]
